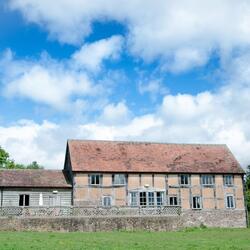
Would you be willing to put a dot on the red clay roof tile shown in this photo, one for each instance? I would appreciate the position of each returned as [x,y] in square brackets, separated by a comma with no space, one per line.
[33,178]
[115,156]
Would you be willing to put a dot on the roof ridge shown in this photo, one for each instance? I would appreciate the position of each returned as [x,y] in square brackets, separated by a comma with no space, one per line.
[148,142]
[18,169]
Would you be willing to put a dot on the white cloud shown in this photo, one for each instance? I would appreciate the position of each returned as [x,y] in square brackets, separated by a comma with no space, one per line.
[182,34]
[153,87]
[91,56]
[59,83]
[220,117]
[115,114]
[28,141]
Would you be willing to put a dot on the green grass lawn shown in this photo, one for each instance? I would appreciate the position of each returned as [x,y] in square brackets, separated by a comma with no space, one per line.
[188,239]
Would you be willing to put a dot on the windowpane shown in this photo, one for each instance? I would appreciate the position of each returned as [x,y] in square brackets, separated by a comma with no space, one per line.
[118,179]
[27,200]
[21,198]
[228,180]
[207,180]
[230,201]
[151,200]
[95,179]
[173,201]
[159,198]
[133,199]
[143,199]
[24,200]
[196,202]
[184,179]
[106,201]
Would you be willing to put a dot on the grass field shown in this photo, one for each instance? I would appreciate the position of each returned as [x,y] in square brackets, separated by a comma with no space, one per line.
[194,238]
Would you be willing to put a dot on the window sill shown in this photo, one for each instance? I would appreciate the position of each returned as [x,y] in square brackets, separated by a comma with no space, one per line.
[118,185]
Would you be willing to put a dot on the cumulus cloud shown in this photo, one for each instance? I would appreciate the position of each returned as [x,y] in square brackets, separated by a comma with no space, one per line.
[207,117]
[153,87]
[181,34]
[115,114]
[91,56]
[58,83]
[28,141]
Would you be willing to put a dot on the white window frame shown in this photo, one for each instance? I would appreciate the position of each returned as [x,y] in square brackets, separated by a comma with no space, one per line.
[200,202]
[24,200]
[208,177]
[188,180]
[95,176]
[104,197]
[174,197]
[121,179]
[226,201]
[131,202]
[225,179]
[159,199]
[150,196]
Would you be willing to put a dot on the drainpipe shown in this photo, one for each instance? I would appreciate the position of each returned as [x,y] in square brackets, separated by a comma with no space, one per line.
[1,197]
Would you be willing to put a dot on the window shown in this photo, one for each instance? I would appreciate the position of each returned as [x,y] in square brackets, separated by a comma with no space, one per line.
[151,200]
[184,179]
[207,180]
[24,200]
[118,179]
[95,179]
[228,180]
[159,198]
[106,201]
[147,198]
[196,202]
[230,201]
[173,201]
[133,199]
[143,199]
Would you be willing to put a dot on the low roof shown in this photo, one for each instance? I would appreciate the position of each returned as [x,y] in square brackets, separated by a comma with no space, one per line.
[115,156]
[33,178]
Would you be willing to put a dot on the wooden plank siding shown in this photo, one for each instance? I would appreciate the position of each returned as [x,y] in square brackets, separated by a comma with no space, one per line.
[10,196]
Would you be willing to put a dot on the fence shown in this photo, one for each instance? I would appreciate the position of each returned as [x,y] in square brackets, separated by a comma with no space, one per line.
[88,211]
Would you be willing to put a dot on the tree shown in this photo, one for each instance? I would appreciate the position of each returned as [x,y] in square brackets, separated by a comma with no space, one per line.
[34,165]
[7,163]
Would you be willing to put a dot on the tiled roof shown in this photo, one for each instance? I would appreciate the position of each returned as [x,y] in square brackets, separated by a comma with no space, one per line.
[112,156]
[33,178]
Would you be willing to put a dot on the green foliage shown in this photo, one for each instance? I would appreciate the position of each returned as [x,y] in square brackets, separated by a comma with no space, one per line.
[194,239]
[34,165]
[7,163]
[4,158]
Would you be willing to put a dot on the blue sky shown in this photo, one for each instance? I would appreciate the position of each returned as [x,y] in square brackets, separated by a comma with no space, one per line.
[123,70]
